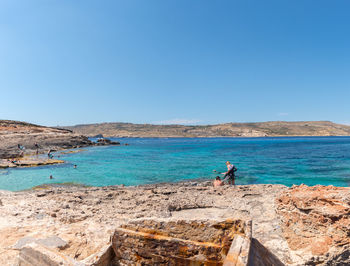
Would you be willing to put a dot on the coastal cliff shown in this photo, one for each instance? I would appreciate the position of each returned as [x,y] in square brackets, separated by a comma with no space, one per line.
[264,129]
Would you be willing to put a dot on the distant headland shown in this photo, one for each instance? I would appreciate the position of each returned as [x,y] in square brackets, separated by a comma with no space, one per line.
[259,129]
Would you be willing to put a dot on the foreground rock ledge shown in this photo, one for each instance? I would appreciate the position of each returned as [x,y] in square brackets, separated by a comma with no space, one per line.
[316,223]
[87,218]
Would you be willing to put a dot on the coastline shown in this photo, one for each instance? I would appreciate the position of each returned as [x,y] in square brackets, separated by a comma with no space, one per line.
[28,162]
[19,139]
[30,159]
[298,225]
[226,137]
[253,129]
[268,169]
[35,160]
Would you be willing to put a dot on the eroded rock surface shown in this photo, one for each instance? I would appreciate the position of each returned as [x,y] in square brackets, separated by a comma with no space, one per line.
[303,220]
[316,223]
[150,242]
[86,217]
[28,162]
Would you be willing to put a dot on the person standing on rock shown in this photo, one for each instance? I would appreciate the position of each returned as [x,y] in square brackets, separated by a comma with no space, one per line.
[36,145]
[230,174]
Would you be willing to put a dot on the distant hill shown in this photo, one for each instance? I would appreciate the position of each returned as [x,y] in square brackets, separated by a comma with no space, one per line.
[19,127]
[268,129]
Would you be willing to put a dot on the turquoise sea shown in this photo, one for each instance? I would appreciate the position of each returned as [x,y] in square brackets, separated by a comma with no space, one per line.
[288,161]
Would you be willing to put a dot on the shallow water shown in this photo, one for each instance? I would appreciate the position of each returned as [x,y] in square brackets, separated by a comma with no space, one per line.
[288,161]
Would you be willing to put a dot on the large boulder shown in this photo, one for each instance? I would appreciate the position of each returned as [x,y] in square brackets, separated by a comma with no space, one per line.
[150,242]
[104,141]
[193,242]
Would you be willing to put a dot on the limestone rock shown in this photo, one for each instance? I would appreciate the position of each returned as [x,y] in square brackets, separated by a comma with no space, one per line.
[53,242]
[36,138]
[239,252]
[34,254]
[104,257]
[50,242]
[316,222]
[24,241]
[151,242]
[71,213]
[104,141]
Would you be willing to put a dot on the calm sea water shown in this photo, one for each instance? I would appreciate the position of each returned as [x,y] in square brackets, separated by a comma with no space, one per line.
[288,161]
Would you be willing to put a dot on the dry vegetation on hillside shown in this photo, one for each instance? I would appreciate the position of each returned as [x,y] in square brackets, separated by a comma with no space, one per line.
[278,128]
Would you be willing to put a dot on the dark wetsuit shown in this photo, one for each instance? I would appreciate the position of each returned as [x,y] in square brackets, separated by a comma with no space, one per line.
[230,175]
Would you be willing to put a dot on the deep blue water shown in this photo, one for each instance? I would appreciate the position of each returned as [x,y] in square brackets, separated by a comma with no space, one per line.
[288,161]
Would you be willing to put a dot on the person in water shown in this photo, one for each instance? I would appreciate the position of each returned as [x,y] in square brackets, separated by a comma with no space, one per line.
[49,155]
[229,176]
[21,148]
[217,182]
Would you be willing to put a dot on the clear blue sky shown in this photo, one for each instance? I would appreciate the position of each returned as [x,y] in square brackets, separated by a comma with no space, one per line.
[188,61]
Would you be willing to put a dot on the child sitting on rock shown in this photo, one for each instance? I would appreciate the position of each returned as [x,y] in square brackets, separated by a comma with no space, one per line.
[217,182]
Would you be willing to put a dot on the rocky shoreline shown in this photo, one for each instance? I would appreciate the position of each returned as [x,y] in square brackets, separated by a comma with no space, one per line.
[21,143]
[300,225]
[84,226]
